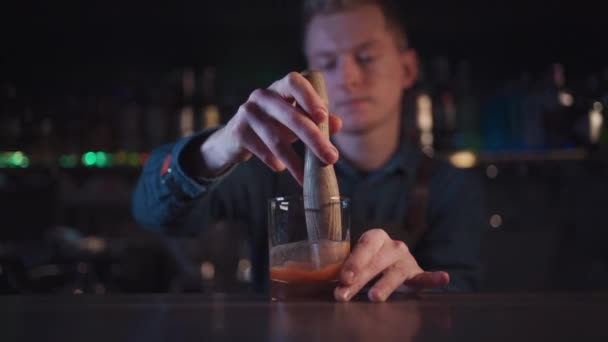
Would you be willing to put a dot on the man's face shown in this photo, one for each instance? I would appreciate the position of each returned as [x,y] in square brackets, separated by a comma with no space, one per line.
[365,71]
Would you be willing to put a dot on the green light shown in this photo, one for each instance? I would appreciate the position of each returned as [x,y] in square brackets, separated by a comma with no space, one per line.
[68,161]
[4,160]
[120,158]
[133,159]
[16,159]
[102,159]
[89,159]
[25,162]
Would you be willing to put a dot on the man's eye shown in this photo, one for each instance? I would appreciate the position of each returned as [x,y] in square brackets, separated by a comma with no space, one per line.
[326,65]
[365,58]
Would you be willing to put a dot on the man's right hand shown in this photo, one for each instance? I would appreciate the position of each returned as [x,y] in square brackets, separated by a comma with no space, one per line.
[267,124]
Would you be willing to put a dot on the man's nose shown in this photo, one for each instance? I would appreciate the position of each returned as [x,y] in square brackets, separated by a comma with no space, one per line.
[350,75]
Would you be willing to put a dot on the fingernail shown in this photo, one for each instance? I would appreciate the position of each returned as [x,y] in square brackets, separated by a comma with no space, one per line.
[344,293]
[321,114]
[439,277]
[331,155]
[278,166]
[375,295]
[348,277]
[335,152]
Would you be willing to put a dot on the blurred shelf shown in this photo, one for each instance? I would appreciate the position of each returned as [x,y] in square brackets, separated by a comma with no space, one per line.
[468,159]
[534,156]
[133,162]
[88,160]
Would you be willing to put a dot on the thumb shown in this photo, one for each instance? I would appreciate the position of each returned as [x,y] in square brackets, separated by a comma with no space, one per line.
[335,124]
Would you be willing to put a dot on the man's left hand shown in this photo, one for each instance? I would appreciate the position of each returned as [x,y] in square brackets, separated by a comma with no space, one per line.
[376,253]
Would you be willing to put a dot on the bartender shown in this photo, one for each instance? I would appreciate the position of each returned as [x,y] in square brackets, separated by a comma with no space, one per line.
[416,220]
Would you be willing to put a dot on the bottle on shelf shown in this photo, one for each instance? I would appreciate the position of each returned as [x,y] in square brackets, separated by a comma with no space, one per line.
[130,123]
[445,116]
[210,111]
[11,125]
[156,113]
[589,110]
[604,101]
[467,136]
[186,110]
[558,110]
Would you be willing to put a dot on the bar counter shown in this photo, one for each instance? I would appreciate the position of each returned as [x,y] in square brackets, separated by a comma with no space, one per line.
[428,317]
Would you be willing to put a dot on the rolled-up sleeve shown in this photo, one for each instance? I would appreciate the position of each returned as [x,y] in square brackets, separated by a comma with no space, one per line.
[165,191]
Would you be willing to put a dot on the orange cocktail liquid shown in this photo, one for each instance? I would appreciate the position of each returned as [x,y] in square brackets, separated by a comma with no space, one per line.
[299,280]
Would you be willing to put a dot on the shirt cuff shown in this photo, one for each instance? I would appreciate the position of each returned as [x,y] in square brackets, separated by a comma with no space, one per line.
[176,176]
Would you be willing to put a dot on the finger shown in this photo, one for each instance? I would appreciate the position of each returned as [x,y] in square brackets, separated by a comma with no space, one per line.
[396,279]
[296,121]
[335,124]
[296,86]
[392,278]
[428,280]
[280,147]
[363,264]
[255,145]
[276,127]
[366,248]
[388,256]
[436,280]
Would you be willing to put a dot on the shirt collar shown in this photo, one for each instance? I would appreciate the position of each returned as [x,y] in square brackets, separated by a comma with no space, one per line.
[405,161]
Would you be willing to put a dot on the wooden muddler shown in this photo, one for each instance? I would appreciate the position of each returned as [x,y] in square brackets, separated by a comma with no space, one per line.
[322,203]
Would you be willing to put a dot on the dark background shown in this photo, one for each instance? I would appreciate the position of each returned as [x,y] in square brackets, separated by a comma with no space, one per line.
[499,37]
[84,66]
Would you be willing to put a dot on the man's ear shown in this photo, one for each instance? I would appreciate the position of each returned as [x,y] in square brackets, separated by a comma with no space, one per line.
[409,63]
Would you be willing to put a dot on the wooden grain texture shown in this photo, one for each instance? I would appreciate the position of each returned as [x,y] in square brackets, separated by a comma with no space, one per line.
[321,194]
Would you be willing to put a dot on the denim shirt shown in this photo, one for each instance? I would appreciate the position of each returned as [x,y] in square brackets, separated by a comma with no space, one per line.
[169,200]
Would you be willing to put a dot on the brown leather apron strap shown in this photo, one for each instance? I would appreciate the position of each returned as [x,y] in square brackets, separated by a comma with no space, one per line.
[418,202]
